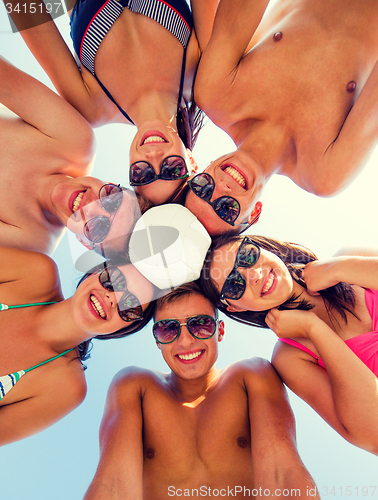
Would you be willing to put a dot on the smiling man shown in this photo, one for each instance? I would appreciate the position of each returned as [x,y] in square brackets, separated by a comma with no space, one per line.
[198,430]
[295,86]
[223,197]
[47,151]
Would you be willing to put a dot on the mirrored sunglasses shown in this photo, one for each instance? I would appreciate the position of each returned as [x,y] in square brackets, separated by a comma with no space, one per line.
[226,207]
[201,327]
[172,168]
[97,228]
[129,307]
[234,286]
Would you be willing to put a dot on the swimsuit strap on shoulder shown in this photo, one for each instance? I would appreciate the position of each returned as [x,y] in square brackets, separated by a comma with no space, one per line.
[48,360]
[4,307]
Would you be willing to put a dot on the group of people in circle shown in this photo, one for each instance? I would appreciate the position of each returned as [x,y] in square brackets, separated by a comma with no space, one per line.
[163,67]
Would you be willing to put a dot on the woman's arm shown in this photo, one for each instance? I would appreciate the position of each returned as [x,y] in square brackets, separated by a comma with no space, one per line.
[352,269]
[76,86]
[346,395]
[65,132]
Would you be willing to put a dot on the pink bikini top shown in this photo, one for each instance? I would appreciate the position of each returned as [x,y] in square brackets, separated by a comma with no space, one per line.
[365,346]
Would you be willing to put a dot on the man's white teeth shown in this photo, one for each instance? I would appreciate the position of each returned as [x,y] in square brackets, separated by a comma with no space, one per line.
[268,283]
[77,201]
[153,138]
[97,307]
[236,176]
[189,356]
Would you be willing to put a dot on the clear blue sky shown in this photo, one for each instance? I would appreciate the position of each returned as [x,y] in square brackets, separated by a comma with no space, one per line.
[59,463]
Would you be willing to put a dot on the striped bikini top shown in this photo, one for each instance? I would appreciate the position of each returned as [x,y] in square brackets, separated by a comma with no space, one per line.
[7,382]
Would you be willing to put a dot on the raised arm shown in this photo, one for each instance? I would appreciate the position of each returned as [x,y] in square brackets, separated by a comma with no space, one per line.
[345,394]
[353,269]
[119,475]
[348,154]
[78,87]
[65,132]
[234,25]
[277,465]
[203,17]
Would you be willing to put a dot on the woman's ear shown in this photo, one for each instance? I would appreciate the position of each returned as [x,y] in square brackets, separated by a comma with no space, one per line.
[193,165]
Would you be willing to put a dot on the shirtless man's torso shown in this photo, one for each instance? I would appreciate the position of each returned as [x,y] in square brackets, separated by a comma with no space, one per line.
[197,429]
[297,92]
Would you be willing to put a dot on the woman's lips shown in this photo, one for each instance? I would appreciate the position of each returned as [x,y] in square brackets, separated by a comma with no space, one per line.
[153,134]
[97,307]
[79,202]
[270,283]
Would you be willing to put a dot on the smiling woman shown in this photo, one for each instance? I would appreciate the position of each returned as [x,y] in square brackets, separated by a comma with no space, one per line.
[50,336]
[148,85]
[102,216]
[38,153]
[230,188]
[328,307]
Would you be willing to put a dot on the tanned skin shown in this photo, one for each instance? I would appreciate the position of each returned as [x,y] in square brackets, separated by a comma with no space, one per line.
[197,426]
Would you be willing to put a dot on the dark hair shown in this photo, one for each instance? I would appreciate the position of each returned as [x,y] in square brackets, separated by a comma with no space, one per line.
[189,121]
[181,292]
[136,326]
[339,298]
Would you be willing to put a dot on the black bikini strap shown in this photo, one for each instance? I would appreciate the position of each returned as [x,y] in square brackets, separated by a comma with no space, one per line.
[182,78]
[113,100]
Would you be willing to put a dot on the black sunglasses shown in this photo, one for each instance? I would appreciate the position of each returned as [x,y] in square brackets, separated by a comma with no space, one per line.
[234,286]
[97,228]
[226,207]
[200,327]
[172,168]
[113,280]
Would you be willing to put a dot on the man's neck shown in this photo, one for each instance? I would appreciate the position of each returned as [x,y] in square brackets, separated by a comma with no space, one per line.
[269,145]
[193,391]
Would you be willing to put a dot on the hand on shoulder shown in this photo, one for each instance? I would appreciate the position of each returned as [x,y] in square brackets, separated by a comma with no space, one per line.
[287,324]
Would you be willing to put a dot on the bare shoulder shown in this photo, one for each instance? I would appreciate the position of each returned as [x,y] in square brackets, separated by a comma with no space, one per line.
[286,355]
[134,379]
[69,382]
[18,260]
[258,370]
